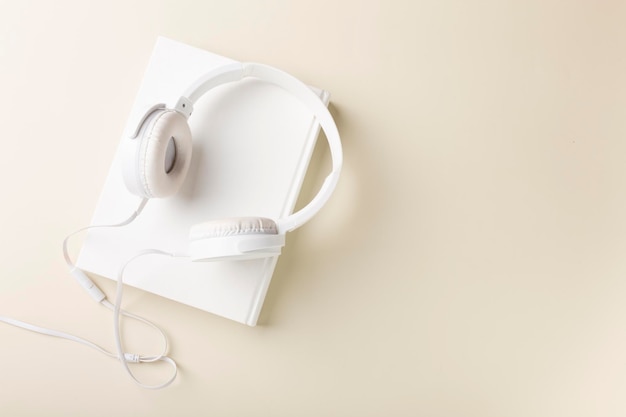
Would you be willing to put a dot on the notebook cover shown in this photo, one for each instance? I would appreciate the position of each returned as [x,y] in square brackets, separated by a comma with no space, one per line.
[252,143]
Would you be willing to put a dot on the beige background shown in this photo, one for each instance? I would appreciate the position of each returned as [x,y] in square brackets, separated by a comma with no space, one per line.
[470,264]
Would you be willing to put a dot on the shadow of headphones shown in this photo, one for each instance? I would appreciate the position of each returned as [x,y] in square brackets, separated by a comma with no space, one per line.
[157,156]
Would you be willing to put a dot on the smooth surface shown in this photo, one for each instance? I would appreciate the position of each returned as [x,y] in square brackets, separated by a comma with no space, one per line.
[471,262]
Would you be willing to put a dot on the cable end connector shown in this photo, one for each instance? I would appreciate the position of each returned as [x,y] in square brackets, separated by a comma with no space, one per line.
[89,286]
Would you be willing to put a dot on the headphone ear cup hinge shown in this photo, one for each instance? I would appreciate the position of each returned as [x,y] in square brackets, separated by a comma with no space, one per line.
[184,106]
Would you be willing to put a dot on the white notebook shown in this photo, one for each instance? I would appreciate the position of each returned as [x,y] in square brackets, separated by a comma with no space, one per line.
[252,143]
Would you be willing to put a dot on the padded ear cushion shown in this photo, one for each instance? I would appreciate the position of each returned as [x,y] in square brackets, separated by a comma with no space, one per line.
[235,226]
[162,126]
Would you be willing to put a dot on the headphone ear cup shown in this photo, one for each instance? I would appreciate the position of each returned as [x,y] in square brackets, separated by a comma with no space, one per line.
[234,226]
[158,159]
[235,238]
[165,127]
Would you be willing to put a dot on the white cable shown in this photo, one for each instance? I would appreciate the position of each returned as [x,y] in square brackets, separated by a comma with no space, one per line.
[97,294]
[55,333]
[129,220]
[116,326]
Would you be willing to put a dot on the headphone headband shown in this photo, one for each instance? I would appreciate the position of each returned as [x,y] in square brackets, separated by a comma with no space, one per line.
[237,71]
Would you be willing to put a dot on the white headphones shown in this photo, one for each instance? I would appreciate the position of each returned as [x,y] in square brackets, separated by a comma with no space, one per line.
[157,156]
[155,162]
